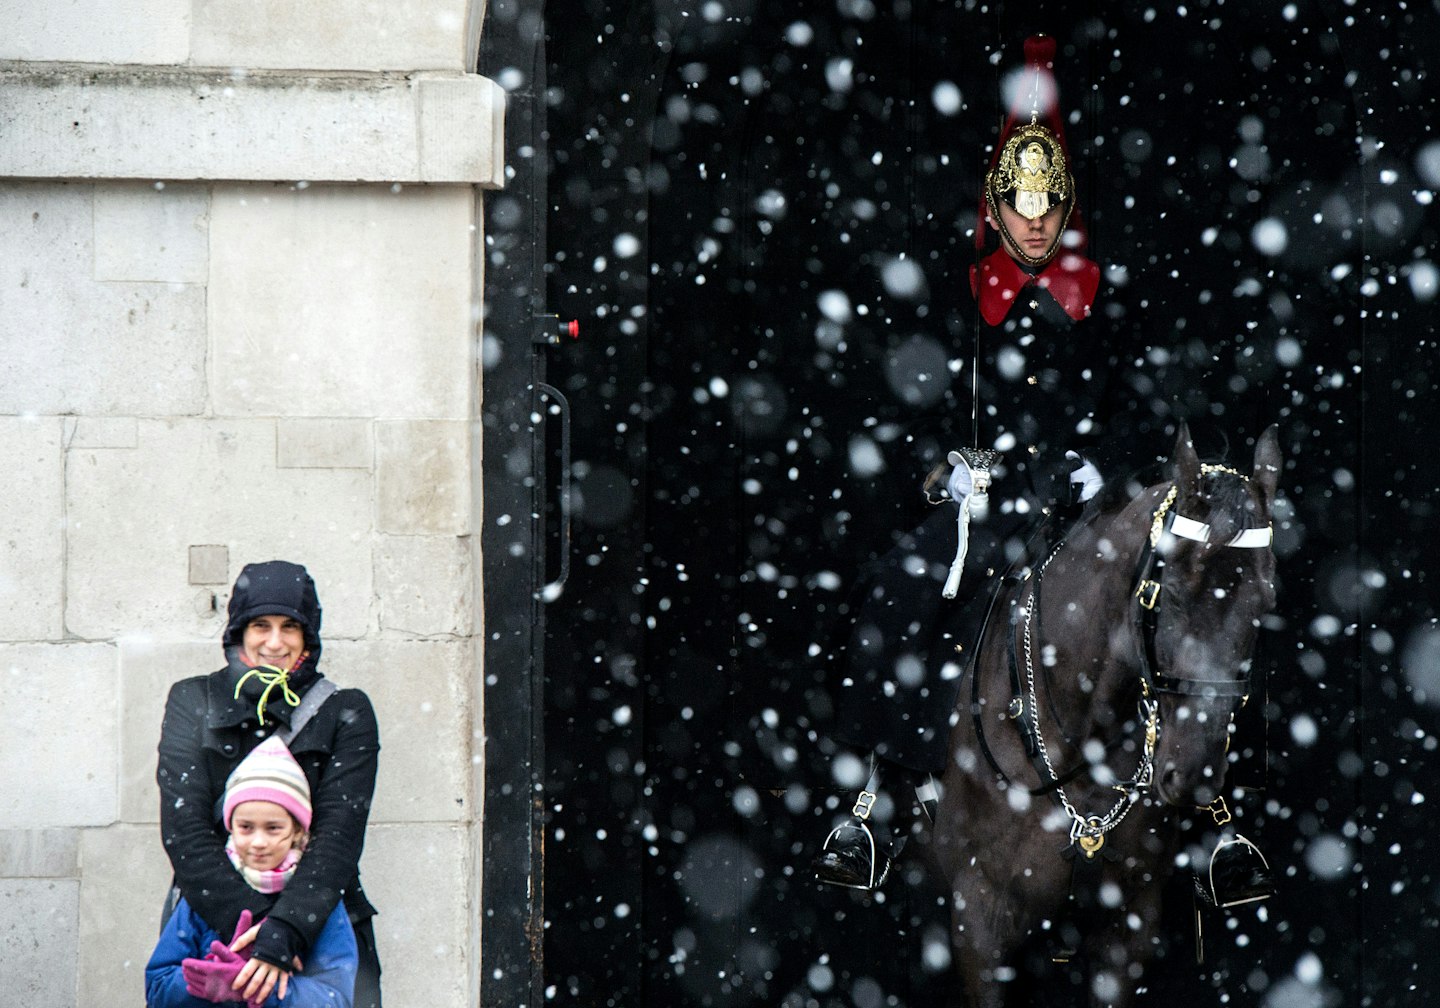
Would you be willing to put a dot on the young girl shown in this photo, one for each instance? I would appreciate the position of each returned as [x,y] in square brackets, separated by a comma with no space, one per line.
[267,814]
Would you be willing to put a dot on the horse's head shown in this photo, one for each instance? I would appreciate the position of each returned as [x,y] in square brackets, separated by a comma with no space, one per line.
[1210,582]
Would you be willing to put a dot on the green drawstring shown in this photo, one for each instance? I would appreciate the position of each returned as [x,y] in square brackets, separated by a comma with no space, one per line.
[273,677]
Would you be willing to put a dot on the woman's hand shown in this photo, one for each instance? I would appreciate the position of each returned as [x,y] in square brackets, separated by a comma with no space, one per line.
[244,939]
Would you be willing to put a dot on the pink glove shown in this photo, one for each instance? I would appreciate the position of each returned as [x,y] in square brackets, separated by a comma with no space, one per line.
[245,923]
[212,978]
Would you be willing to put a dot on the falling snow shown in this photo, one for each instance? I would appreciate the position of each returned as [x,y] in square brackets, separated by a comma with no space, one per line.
[777,268]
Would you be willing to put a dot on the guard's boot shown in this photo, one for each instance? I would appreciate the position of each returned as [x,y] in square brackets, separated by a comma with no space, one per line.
[850,856]
[927,797]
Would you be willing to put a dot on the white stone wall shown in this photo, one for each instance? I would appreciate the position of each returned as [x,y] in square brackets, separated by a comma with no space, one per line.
[239,302]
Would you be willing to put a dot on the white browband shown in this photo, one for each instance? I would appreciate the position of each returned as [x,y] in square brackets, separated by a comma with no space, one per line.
[1252,538]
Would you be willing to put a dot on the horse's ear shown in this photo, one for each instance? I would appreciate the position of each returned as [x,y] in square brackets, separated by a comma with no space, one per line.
[1186,462]
[1267,462]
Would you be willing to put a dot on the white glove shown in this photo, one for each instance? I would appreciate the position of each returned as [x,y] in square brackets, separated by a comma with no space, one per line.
[1085,476]
[961,483]
[960,486]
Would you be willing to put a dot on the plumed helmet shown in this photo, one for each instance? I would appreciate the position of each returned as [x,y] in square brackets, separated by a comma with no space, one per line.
[1031,170]
[1032,174]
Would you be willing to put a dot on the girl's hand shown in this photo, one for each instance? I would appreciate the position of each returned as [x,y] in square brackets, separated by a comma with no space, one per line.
[258,979]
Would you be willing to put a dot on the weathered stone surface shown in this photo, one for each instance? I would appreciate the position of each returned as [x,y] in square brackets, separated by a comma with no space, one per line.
[422,477]
[133,516]
[420,691]
[321,443]
[101,432]
[72,344]
[96,31]
[32,548]
[39,942]
[341,302]
[186,123]
[152,233]
[331,34]
[450,122]
[126,877]
[208,356]
[66,753]
[39,853]
[424,931]
[425,585]
[209,565]
[148,668]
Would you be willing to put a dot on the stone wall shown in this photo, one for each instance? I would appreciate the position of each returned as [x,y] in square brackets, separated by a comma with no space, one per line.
[239,301]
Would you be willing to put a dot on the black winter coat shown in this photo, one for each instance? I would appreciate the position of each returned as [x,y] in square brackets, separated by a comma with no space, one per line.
[205,734]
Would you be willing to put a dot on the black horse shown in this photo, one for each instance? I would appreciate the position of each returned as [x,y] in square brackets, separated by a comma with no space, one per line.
[1104,691]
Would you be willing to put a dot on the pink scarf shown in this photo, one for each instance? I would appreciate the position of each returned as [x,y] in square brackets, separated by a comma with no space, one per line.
[271,880]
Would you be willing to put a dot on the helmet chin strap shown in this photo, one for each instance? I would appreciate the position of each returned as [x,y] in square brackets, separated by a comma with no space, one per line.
[1014,249]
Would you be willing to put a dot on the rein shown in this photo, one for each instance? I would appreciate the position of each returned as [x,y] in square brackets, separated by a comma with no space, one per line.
[1088,832]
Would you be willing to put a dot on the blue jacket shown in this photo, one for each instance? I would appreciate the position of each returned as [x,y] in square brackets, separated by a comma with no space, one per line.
[328,980]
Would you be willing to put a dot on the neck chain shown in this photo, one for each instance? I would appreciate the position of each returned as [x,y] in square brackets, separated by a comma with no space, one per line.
[1088,831]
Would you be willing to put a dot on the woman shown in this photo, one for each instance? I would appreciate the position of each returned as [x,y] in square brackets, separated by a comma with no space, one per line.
[271,685]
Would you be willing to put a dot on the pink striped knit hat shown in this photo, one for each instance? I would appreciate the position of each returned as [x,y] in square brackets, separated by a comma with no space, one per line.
[270,774]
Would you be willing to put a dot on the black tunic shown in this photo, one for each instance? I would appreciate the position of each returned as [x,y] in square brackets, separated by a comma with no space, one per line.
[1047,384]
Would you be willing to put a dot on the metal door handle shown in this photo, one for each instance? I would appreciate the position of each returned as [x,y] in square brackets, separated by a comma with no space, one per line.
[551,591]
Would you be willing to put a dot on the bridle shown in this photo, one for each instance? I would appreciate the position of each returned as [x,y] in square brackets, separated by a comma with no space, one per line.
[1150,571]
[1088,832]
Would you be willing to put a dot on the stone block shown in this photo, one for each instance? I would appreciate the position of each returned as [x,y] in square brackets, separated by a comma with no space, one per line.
[133,516]
[126,877]
[32,548]
[96,31]
[459,135]
[420,691]
[422,477]
[182,123]
[148,668]
[152,233]
[322,443]
[341,302]
[39,853]
[66,756]
[39,942]
[331,34]
[415,877]
[209,565]
[424,585]
[101,432]
[71,344]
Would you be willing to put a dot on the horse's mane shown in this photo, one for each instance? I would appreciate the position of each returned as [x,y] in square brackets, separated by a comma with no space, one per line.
[1228,494]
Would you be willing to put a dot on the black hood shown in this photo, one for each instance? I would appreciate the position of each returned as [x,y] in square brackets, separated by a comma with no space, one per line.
[274,588]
